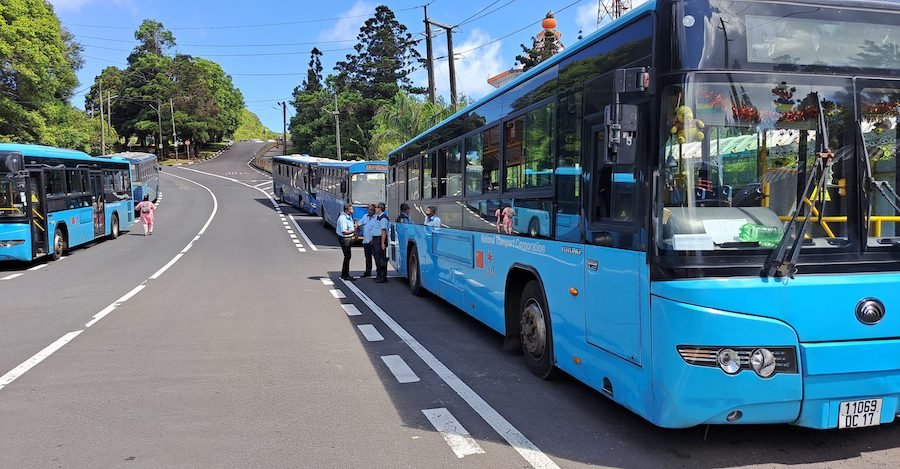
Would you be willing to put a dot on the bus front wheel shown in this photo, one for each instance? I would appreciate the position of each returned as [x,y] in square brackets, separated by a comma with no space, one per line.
[114,227]
[413,273]
[59,244]
[536,334]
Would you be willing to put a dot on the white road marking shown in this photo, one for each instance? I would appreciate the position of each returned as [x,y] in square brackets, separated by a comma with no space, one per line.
[337,293]
[400,369]
[371,334]
[10,277]
[326,281]
[20,370]
[453,432]
[513,436]
[269,196]
[263,184]
[102,314]
[293,236]
[38,267]
[351,310]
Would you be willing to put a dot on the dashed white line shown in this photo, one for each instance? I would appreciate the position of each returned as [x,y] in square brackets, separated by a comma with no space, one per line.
[38,267]
[326,281]
[351,310]
[513,436]
[400,369]
[303,233]
[20,370]
[337,293]
[453,432]
[371,334]
[12,276]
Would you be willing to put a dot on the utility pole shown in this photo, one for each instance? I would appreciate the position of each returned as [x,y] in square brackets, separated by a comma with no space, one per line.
[109,111]
[429,56]
[449,30]
[337,126]
[159,118]
[102,122]
[174,136]
[283,105]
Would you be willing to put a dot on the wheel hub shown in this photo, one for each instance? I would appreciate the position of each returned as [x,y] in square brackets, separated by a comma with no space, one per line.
[534,332]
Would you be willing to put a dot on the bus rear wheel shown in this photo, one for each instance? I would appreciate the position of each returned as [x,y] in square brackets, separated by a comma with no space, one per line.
[535,331]
[59,244]
[413,273]
[114,227]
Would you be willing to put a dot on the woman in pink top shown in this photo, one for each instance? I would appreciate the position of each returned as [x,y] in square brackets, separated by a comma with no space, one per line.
[147,211]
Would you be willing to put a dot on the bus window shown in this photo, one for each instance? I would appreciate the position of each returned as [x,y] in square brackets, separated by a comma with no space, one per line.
[473,165]
[490,159]
[429,176]
[413,170]
[451,170]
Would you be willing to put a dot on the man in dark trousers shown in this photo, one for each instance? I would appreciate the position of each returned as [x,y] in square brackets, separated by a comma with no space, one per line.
[345,231]
[379,243]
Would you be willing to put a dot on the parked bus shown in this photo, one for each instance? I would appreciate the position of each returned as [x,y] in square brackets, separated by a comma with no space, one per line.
[144,174]
[724,235]
[356,182]
[294,180]
[52,200]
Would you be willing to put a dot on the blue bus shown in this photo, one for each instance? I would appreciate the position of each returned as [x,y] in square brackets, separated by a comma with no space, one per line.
[721,242]
[52,200]
[355,182]
[144,174]
[294,180]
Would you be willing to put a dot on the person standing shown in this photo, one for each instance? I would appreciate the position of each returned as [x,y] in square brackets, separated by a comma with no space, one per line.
[366,225]
[404,214]
[345,232]
[379,243]
[148,211]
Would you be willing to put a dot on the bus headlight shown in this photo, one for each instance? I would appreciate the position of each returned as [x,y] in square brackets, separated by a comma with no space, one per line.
[728,361]
[11,243]
[763,362]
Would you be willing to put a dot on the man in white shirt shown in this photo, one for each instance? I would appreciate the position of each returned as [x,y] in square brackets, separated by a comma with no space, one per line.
[366,225]
[345,232]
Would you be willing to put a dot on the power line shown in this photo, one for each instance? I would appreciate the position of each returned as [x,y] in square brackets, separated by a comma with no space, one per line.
[238,26]
[473,17]
[134,41]
[256,54]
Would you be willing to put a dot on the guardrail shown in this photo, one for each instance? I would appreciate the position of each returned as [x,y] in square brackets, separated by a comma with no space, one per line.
[262,162]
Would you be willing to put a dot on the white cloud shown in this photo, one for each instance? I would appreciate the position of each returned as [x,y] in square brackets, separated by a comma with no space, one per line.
[472,68]
[75,5]
[586,18]
[348,27]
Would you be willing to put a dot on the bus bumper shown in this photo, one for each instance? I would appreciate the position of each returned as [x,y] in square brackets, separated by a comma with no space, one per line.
[15,243]
[827,374]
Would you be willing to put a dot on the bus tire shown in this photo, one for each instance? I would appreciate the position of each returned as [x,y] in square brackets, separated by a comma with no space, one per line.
[414,273]
[534,227]
[535,331]
[114,227]
[59,242]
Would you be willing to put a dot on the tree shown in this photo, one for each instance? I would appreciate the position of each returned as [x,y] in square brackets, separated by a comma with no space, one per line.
[38,60]
[313,80]
[544,46]
[400,120]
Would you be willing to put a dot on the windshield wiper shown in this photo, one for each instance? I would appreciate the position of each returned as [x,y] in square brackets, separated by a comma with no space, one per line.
[782,261]
[872,184]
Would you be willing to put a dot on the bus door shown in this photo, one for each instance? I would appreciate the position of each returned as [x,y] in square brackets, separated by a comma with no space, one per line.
[37,213]
[98,203]
[612,259]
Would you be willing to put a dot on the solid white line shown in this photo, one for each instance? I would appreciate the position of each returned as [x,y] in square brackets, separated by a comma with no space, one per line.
[102,314]
[10,277]
[372,334]
[400,369]
[38,267]
[263,184]
[337,293]
[351,310]
[453,432]
[166,267]
[11,376]
[130,294]
[270,197]
[326,281]
[514,437]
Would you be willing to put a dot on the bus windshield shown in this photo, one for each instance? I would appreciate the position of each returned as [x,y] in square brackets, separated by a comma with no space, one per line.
[738,154]
[12,203]
[367,188]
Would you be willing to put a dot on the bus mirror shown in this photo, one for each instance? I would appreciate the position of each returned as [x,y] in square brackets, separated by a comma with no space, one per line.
[12,162]
[343,187]
[621,130]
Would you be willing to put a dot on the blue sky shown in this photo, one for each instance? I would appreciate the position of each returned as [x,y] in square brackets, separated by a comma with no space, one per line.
[244,37]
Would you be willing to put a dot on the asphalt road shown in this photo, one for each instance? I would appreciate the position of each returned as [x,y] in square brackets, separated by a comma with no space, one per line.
[247,351]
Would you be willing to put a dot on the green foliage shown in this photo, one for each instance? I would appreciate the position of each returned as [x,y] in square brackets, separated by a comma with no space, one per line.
[250,127]
[38,59]
[400,120]
[539,51]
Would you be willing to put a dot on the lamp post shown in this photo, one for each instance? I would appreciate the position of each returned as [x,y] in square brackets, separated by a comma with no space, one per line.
[337,126]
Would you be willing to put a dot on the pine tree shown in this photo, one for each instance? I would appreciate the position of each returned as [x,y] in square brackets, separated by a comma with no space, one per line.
[313,80]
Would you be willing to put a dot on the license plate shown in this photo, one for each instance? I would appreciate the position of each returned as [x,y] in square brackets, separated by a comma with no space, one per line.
[862,413]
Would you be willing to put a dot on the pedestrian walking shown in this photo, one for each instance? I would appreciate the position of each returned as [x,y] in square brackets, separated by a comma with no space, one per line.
[345,232]
[148,212]
[365,227]
[379,243]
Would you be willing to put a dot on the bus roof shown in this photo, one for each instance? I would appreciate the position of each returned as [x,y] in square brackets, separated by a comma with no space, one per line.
[44,151]
[356,165]
[577,47]
[300,159]
[133,156]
